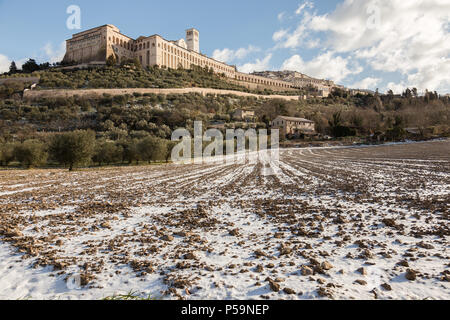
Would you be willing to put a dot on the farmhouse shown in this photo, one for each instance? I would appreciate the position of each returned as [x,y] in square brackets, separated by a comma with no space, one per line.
[293,127]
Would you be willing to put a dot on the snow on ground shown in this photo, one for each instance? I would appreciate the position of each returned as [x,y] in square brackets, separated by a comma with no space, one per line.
[334,223]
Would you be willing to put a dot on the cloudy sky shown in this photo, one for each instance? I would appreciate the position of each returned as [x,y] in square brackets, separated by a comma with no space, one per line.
[368,44]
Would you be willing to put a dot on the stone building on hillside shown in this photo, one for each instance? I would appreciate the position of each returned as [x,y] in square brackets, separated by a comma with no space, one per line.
[94,46]
[241,114]
[293,127]
[300,80]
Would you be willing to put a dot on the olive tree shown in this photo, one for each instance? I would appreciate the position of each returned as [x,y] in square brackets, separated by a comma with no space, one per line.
[6,153]
[73,148]
[107,152]
[152,149]
[31,153]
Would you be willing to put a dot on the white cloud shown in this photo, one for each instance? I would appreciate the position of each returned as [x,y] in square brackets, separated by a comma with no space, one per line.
[295,38]
[54,55]
[258,65]
[281,16]
[279,35]
[397,88]
[313,43]
[19,63]
[225,55]
[410,38]
[306,4]
[4,63]
[433,78]
[367,83]
[324,66]
[228,55]
[243,52]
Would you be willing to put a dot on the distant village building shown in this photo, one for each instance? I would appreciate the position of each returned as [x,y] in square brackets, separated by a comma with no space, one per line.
[220,125]
[362,92]
[293,127]
[324,92]
[300,80]
[241,114]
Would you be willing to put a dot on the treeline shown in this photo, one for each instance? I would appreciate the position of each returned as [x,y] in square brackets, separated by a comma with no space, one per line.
[81,148]
[30,66]
[368,116]
[389,101]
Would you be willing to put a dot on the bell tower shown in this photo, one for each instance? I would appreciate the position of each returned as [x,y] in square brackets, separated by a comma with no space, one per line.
[193,39]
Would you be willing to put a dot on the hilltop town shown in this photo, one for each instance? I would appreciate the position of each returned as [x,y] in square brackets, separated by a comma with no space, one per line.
[98,45]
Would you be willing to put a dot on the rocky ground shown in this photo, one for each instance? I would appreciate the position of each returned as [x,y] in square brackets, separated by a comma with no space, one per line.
[342,223]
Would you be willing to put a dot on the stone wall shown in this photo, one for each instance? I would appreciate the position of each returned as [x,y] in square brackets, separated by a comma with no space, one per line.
[37,94]
[255,86]
[262,82]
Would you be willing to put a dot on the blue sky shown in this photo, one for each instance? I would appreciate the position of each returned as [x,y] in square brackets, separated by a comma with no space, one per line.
[362,43]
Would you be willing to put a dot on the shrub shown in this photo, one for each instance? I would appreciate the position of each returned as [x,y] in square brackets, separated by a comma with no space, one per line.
[343,131]
[111,61]
[395,134]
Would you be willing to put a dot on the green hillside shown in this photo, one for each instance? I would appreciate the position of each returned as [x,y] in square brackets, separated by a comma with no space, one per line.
[131,75]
